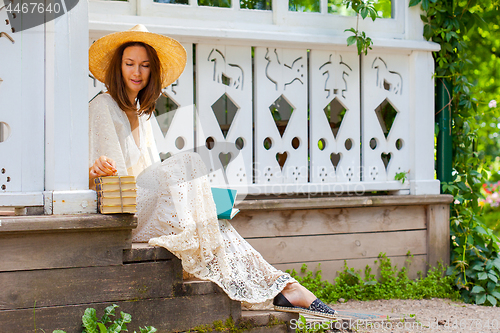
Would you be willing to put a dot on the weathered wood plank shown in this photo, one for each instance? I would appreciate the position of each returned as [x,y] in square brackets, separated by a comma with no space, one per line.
[49,223]
[53,287]
[345,246]
[141,252]
[62,249]
[438,235]
[344,202]
[329,269]
[166,314]
[258,223]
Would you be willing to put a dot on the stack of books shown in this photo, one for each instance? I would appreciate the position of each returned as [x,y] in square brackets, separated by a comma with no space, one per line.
[116,194]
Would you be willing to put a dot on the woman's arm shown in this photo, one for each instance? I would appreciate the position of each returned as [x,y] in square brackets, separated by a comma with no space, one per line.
[103,166]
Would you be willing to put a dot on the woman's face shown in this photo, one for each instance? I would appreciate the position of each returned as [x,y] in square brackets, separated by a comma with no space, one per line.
[135,69]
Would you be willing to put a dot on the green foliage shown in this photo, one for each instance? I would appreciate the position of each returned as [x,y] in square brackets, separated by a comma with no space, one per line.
[313,327]
[455,26]
[364,9]
[401,176]
[227,326]
[393,283]
[91,324]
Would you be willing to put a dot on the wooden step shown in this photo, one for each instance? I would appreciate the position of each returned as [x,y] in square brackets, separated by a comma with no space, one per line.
[54,267]
[268,321]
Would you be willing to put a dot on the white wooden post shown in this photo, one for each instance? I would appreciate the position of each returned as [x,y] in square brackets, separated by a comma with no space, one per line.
[21,112]
[422,124]
[66,114]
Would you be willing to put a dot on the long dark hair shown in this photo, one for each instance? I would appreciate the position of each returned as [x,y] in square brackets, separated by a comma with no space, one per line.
[116,86]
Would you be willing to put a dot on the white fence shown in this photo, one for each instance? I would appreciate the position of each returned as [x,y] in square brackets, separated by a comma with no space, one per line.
[277,94]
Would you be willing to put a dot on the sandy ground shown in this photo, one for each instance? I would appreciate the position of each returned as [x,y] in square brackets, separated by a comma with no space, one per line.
[433,315]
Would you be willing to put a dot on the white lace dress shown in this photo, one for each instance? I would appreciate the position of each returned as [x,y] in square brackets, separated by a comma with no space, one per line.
[176,209]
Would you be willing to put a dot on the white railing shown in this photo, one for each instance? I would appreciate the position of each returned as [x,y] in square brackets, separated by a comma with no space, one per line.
[253,59]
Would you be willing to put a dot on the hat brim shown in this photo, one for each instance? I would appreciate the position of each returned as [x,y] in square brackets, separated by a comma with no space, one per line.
[171,53]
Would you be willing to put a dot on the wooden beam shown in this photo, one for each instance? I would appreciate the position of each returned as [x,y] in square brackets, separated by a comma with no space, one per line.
[62,249]
[258,223]
[438,235]
[344,202]
[51,223]
[58,287]
[165,314]
[300,249]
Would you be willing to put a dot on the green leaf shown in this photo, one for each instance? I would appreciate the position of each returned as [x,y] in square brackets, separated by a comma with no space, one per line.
[496,294]
[477,290]
[414,2]
[102,328]
[492,300]
[58,331]
[480,298]
[351,40]
[493,278]
[127,318]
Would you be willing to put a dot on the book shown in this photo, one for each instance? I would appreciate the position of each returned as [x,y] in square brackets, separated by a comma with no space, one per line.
[116,194]
[115,187]
[115,180]
[116,201]
[118,209]
[224,202]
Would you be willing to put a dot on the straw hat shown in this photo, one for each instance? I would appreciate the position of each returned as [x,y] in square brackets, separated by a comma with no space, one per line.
[171,53]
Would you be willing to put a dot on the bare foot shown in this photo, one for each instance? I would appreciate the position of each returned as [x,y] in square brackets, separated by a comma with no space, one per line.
[298,295]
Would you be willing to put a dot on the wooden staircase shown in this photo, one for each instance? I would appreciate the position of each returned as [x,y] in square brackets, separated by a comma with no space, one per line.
[54,267]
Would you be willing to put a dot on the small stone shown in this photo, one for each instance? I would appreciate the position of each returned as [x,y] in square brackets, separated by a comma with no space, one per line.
[341,300]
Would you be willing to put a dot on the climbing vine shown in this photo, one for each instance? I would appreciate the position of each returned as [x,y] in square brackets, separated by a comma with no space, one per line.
[475,258]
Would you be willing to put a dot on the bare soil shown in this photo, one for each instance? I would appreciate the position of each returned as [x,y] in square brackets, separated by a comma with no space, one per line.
[432,315]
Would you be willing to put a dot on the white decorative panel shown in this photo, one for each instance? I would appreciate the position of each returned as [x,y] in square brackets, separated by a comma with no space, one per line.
[281,146]
[334,116]
[224,118]
[385,118]
[176,126]
[21,107]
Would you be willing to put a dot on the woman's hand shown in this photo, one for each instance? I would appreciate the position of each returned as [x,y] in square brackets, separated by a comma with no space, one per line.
[103,166]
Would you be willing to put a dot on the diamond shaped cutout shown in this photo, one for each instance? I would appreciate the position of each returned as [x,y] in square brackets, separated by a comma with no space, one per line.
[281,111]
[225,111]
[165,112]
[386,115]
[335,113]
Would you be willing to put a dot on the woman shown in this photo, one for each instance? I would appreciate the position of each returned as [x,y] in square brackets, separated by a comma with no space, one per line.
[175,208]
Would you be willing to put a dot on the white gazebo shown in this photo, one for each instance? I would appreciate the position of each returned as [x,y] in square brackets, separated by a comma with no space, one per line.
[311,134]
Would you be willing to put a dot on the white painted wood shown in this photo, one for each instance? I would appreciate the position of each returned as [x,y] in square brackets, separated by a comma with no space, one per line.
[66,108]
[422,124]
[180,135]
[128,7]
[280,73]
[74,202]
[349,189]
[225,70]
[385,79]
[22,111]
[334,78]
[21,199]
[257,33]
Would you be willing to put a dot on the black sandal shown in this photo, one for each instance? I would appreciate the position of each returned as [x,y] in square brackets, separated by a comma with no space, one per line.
[317,307]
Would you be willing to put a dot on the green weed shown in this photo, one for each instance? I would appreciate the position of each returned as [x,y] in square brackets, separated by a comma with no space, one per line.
[392,284]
